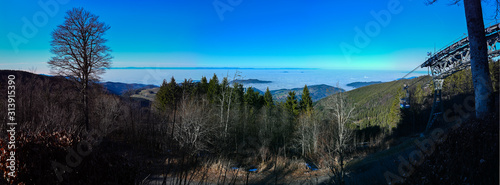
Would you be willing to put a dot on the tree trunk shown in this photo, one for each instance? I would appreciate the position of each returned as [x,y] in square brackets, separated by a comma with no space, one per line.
[173,124]
[86,102]
[303,138]
[86,110]
[479,57]
[341,167]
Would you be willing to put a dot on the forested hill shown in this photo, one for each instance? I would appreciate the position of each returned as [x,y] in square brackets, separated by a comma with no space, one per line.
[317,92]
[121,88]
[362,84]
[378,104]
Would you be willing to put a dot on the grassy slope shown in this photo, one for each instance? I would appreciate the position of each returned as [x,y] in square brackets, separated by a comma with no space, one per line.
[148,94]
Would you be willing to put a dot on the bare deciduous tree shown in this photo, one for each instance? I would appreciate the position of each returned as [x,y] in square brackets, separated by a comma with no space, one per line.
[194,130]
[304,132]
[80,51]
[108,111]
[309,130]
[341,112]
[225,98]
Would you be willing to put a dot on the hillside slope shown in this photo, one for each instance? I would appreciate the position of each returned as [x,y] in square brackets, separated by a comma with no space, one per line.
[373,103]
[144,93]
[362,84]
[121,88]
[48,113]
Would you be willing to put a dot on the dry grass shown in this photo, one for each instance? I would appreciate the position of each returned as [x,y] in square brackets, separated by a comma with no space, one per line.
[281,170]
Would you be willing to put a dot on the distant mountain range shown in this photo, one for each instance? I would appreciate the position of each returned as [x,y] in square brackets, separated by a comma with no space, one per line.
[362,84]
[251,81]
[409,78]
[121,88]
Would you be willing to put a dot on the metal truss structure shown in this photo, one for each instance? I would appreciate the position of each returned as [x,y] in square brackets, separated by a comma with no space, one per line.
[453,58]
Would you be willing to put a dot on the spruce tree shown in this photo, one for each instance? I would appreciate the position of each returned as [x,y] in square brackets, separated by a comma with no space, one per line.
[395,111]
[268,98]
[161,96]
[291,104]
[419,95]
[213,89]
[249,97]
[203,86]
[171,93]
[306,103]
[239,93]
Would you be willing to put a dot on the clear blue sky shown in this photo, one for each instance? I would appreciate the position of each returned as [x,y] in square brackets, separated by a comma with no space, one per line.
[243,33]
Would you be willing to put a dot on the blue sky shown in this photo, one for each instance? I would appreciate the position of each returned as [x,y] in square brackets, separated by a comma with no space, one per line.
[243,33]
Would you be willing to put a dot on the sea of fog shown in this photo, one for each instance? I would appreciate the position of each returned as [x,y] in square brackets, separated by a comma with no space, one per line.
[281,78]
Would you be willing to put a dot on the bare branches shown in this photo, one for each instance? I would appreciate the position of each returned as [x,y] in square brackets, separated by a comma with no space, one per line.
[79,46]
[453,2]
[497,9]
[194,130]
[341,112]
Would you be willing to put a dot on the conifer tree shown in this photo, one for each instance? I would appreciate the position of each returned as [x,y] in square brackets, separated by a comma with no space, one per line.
[239,93]
[161,96]
[249,97]
[167,95]
[291,104]
[268,98]
[419,95]
[203,86]
[213,89]
[395,111]
[306,103]
[171,94]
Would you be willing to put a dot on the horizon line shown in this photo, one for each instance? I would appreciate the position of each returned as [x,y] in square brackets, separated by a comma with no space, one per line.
[255,68]
[195,68]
